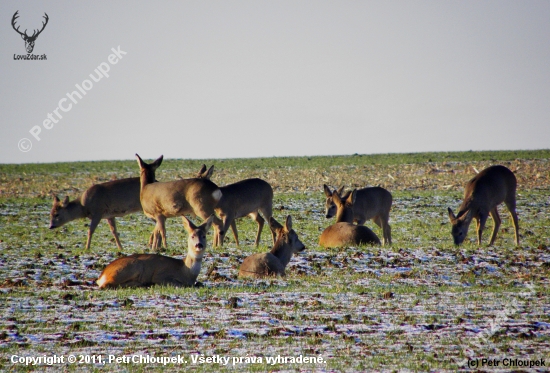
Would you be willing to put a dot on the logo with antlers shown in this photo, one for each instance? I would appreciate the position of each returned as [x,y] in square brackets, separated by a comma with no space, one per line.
[29,40]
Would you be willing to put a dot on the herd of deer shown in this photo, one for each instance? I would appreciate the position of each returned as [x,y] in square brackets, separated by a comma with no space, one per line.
[221,206]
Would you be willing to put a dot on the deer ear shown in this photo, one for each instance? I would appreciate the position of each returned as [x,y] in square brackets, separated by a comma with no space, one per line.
[23,36]
[336,199]
[351,197]
[65,201]
[452,216]
[139,161]
[327,191]
[188,224]
[208,223]
[209,172]
[288,223]
[340,190]
[274,224]
[157,162]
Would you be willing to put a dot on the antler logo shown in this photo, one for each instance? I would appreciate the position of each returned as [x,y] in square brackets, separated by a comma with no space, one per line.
[29,40]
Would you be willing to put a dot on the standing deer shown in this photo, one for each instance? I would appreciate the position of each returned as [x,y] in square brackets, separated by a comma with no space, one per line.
[344,232]
[154,269]
[162,200]
[101,201]
[246,197]
[483,193]
[274,263]
[29,40]
[371,203]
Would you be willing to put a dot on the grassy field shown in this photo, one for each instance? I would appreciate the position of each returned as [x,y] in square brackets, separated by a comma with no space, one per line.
[420,305]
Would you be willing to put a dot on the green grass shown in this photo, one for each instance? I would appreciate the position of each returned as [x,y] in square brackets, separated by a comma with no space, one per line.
[420,305]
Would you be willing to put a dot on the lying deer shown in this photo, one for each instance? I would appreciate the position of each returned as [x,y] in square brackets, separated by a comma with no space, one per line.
[344,232]
[162,200]
[246,197]
[273,263]
[154,269]
[483,194]
[101,201]
[371,203]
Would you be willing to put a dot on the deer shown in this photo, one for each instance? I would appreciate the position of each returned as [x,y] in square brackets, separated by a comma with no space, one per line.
[273,263]
[371,203]
[482,195]
[344,232]
[101,201]
[140,270]
[246,197]
[29,40]
[162,200]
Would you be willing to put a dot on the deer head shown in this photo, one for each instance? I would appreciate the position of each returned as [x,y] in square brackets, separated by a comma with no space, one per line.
[29,40]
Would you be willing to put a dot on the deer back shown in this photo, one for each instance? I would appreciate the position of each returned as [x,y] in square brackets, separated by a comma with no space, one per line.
[244,197]
[347,234]
[175,198]
[113,198]
[489,188]
[144,270]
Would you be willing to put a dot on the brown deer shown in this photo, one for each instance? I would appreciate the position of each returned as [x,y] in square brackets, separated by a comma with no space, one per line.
[246,197]
[483,193]
[162,200]
[274,263]
[154,269]
[101,201]
[344,232]
[371,203]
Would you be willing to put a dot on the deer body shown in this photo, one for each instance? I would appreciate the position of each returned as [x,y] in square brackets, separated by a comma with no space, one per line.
[154,269]
[344,232]
[273,263]
[246,197]
[101,201]
[371,203]
[482,195]
[162,200]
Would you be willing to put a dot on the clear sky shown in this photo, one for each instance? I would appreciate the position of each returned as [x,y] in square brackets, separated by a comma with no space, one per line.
[225,79]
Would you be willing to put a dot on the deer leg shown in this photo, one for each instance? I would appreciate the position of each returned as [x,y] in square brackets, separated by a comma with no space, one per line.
[497,221]
[258,218]
[512,208]
[481,220]
[159,233]
[386,231]
[267,212]
[112,225]
[91,230]
[234,229]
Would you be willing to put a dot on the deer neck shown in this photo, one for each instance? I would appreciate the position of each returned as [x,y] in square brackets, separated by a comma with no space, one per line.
[146,177]
[282,251]
[466,212]
[344,215]
[193,263]
[75,210]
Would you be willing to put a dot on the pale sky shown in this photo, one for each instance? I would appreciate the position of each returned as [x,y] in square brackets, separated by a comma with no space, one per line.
[226,79]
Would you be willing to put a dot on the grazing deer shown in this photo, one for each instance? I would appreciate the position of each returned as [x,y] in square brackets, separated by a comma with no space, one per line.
[101,201]
[154,269]
[162,200]
[483,193]
[273,263]
[246,197]
[371,203]
[344,232]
